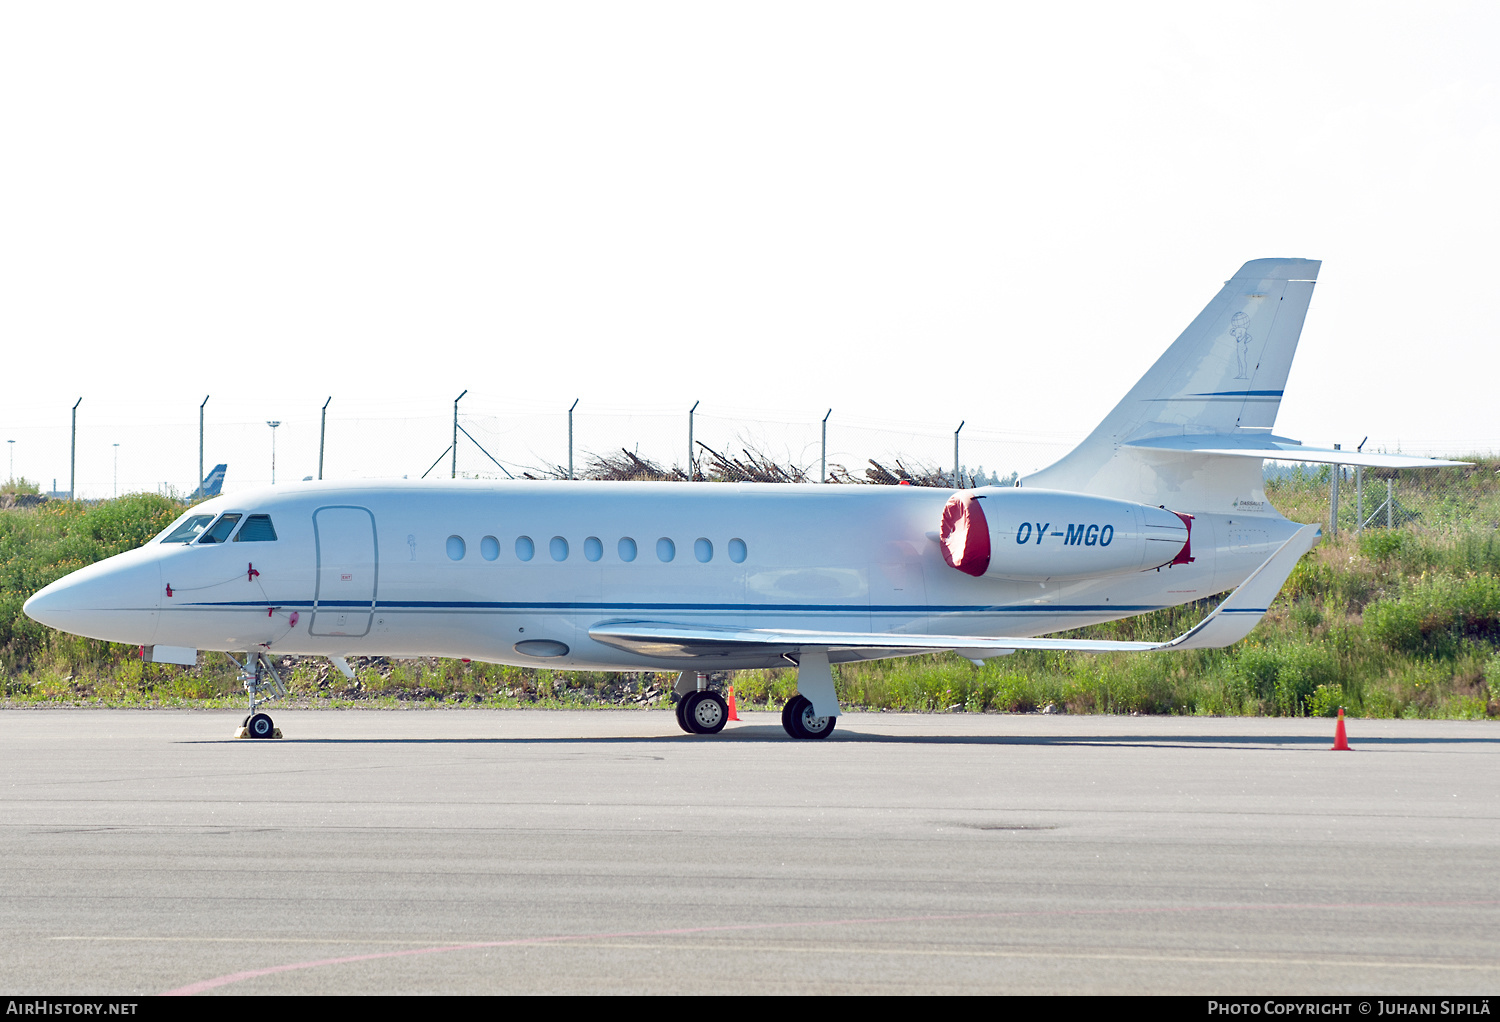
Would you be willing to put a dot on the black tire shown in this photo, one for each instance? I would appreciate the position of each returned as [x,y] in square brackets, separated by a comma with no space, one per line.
[799,721]
[705,713]
[681,707]
[260,726]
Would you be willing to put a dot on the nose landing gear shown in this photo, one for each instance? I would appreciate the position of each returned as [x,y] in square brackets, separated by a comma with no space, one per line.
[261,683]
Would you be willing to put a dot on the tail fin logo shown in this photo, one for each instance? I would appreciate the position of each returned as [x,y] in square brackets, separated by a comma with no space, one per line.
[1242,339]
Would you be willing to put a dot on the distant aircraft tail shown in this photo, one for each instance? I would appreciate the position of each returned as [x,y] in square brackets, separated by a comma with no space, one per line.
[1220,382]
[211,485]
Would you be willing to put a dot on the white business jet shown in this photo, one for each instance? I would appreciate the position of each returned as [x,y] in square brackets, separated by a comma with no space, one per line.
[1161,505]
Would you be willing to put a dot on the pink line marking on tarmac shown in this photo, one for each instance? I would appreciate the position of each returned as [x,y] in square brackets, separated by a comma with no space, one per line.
[236,977]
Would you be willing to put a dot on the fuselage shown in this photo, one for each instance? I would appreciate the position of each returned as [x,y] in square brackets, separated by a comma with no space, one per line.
[519,572]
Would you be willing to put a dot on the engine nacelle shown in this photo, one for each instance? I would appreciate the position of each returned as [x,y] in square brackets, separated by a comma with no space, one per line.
[1044,535]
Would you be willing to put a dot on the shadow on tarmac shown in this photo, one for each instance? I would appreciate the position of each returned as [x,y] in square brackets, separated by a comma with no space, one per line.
[771,733]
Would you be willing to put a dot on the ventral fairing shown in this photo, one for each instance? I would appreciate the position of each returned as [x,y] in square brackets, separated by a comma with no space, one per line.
[1162,504]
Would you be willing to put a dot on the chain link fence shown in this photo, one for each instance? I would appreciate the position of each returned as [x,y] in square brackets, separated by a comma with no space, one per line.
[111,459]
[1371,498]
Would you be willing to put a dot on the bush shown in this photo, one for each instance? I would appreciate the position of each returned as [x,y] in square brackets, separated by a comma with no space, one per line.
[1435,614]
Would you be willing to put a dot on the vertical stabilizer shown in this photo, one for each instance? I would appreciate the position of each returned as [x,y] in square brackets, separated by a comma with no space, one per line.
[1224,375]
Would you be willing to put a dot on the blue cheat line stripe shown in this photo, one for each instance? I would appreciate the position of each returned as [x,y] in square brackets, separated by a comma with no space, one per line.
[833,608]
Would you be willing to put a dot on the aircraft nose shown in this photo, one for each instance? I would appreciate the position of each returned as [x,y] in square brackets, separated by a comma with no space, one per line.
[116,599]
[48,604]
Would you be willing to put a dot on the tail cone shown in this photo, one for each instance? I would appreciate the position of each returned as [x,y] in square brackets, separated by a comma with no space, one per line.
[733,714]
[1340,739]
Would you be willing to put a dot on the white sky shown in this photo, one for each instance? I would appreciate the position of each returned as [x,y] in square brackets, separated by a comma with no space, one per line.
[918,212]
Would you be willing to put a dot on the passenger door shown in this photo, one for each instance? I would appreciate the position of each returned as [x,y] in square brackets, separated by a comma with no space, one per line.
[348,571]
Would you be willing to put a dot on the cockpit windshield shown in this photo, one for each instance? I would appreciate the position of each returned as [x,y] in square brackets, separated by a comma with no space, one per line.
[221,529]
[188,530]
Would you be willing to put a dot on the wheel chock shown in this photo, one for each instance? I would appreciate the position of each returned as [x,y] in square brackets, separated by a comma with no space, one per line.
[244,732]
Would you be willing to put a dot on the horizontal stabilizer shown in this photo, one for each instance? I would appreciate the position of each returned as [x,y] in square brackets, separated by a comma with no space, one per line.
[1254,445]
[1230,622]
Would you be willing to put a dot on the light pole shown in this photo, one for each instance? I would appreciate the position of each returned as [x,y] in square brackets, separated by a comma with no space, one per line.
[117,469]
[273,426]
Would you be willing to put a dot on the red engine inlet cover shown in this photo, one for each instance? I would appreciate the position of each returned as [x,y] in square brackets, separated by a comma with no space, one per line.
[965,535]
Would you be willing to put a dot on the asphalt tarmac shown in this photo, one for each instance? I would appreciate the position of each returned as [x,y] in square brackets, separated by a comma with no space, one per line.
[480,851]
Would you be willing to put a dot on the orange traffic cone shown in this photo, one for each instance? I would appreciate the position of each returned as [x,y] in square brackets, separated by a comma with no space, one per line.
[1340,739]
[733,715]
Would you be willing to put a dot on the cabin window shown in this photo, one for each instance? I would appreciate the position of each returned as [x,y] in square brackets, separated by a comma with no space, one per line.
[525,548]
[188,530]
[592,548]
[665,549]
[627,549]
[489,548]
[456,548]
[737,551]
[558,548]
[257,529]
[221,529]
[703,550]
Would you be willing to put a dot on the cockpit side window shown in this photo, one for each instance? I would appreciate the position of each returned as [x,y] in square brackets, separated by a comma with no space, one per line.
[258,529]
[188,530]
[221,529]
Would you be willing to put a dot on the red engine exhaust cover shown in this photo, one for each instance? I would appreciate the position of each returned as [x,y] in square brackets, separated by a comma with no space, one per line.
[965,535]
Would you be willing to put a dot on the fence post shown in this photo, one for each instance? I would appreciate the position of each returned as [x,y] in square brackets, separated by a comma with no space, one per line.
[73,455]
[455,432]
[1359,500]
[690,438]
[1390,499]
[1333,499]
[200,443]
[823,460]
[957,482]
[323,435]
[570,435]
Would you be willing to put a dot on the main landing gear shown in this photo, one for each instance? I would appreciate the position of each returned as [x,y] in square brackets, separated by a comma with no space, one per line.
[261,684]
[699,711]
[801,721]
[703,712]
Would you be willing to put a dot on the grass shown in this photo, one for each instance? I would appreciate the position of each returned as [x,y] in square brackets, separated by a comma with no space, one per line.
[1391,623]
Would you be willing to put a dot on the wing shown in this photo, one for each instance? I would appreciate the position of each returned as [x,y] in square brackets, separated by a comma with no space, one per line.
[1229,622]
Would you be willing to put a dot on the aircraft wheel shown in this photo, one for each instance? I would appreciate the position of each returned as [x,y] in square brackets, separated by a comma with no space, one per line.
[681,707]
[260,726]
[800,721]
[705,713]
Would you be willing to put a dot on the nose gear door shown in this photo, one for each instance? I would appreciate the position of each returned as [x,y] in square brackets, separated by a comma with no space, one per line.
[348,571]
